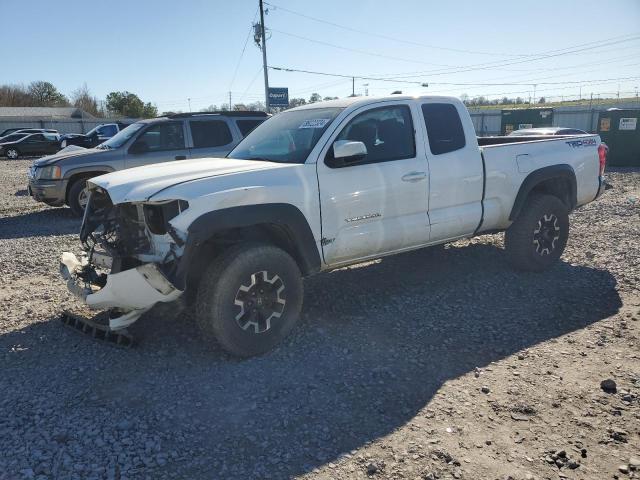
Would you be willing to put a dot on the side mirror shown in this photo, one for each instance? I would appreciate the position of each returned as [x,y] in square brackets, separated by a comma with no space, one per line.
[139,147]
[347,152]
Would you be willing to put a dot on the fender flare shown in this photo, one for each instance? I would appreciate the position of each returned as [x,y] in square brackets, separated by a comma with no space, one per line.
[284,215]
[535,178]
[98,169]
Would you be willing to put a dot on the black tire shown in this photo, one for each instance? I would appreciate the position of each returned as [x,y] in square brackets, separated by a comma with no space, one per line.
[12,153]
[250,298]
[537,238]
[74,200]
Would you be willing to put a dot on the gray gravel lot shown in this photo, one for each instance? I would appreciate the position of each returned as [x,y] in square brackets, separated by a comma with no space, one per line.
[427,365]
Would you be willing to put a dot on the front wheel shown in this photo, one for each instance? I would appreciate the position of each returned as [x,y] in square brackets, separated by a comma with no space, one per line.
[537,238]
[78,197]
[13,154]
[250,298]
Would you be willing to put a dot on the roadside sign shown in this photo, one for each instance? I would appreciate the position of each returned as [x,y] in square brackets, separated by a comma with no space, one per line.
[628,124]
[278,97]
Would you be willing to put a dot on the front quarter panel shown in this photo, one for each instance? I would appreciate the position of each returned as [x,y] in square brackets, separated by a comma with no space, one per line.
[284,184]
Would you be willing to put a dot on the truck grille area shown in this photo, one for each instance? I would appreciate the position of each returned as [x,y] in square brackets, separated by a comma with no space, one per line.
[119,230]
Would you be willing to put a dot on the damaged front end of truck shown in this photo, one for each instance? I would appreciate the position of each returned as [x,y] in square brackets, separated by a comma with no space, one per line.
[130,259]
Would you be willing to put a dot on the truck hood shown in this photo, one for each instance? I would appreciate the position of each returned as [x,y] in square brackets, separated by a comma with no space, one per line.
[67,153]
[141,183]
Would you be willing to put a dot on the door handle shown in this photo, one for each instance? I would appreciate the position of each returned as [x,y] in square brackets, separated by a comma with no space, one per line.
[180,157]
[414,176]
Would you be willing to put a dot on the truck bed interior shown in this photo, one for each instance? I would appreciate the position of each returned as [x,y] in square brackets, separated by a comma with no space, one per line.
[487,141]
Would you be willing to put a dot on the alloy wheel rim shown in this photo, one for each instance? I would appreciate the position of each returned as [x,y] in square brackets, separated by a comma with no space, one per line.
[83,198]
[12,154]
[260,302]
[546,234]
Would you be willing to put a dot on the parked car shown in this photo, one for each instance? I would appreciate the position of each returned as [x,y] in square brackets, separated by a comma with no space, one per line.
[27,130]
[532,132]
[312,189]
[30,144]
[93,137]
[61,179]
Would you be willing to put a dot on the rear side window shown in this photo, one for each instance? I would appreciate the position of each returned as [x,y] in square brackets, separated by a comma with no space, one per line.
[444,127]
[246,126]
[211,133]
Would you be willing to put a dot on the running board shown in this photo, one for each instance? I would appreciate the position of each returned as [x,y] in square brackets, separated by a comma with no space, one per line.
[97,330]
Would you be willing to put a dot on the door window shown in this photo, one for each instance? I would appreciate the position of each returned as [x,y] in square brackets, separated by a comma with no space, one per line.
[444,128]
[387,132]
[210,133]
[35,138]
[246,126]
[160,137]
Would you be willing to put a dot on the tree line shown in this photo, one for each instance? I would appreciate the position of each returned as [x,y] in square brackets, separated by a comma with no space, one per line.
[260,106]
[44,94]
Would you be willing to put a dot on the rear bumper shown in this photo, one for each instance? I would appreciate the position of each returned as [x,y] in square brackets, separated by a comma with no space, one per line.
[52,192]
[132,292]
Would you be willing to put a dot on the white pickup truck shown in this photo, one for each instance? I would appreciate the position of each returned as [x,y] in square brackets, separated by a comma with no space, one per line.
[315,188]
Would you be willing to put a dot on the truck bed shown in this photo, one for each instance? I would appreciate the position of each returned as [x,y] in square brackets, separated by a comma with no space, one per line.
[509,160]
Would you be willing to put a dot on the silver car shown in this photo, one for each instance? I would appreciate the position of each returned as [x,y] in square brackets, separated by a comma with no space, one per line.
[61,178]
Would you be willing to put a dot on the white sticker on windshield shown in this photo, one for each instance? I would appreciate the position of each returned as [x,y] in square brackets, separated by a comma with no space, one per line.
[316,123]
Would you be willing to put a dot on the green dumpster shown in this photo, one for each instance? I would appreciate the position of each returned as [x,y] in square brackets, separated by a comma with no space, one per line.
[620,130]
[518,118]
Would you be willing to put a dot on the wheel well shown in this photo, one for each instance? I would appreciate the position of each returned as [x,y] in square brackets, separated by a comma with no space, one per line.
[556,180]
[78,176]
[558,187]
[270,233]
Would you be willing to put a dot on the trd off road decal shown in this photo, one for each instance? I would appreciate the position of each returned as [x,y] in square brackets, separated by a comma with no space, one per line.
[587,142]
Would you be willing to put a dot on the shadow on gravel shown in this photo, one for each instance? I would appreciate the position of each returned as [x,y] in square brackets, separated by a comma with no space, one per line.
[42,223]
[375,345]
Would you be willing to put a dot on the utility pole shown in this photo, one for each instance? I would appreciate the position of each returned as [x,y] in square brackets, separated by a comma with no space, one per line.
[353,86]
[230,102]
[366,89]
[534,92]
[264,58]
[189,100]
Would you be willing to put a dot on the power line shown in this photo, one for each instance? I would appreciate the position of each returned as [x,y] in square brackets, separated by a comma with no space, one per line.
[244,47]
[480,84]
[362,52]
[387,37]
[492,65]
[285,69]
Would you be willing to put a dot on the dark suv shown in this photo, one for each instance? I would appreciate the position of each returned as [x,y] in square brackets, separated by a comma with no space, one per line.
[61,179]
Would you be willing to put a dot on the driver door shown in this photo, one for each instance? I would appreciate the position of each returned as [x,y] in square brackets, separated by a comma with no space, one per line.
[160,142]
[378,203]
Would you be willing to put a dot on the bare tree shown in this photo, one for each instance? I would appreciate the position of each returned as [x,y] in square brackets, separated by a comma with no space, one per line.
[81,98]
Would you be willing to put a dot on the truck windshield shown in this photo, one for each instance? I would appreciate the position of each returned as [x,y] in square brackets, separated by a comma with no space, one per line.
[287,137]
[122,136]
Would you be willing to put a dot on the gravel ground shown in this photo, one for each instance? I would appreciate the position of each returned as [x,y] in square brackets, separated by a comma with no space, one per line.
[427,365]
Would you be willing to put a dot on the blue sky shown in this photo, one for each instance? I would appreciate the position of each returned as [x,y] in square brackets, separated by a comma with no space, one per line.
[168,51]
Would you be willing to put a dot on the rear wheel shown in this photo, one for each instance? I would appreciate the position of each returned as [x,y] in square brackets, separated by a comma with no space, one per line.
[537,238]
[12,154]
[78,197]
[250,298]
